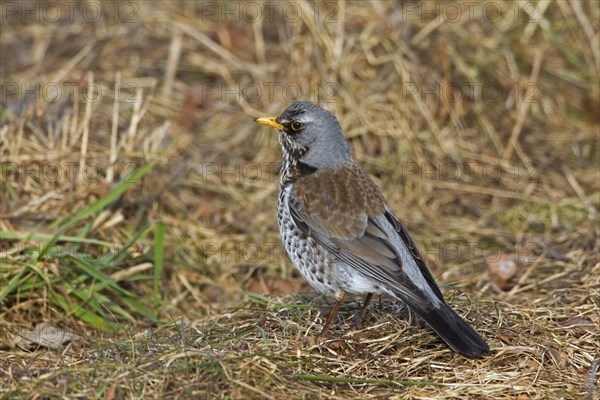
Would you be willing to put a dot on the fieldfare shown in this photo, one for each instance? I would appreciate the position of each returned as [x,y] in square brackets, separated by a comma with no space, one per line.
[341,234]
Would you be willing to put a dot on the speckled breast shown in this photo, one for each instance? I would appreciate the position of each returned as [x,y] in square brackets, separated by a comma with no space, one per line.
[312,261]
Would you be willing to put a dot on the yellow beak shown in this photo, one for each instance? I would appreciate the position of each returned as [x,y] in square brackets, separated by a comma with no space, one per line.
[269,121]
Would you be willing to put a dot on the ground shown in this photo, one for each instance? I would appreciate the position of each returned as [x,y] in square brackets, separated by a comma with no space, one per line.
[139,249]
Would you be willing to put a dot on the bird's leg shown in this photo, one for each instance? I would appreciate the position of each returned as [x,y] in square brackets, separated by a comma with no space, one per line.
[359,318]
[340,298]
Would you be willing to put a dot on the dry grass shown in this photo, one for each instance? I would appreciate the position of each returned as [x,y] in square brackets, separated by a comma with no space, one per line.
[177,259]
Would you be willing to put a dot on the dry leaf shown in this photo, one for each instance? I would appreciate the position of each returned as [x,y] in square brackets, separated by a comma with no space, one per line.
[501,269]
[258,286]
[505,339]
[311,340]
[557,357]
[44,335]
[111,392]
[330,343]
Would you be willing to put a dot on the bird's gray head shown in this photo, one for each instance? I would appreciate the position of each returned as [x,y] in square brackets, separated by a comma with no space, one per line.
[310,135]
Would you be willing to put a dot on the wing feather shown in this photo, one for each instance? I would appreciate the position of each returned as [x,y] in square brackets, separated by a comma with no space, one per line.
[366,236]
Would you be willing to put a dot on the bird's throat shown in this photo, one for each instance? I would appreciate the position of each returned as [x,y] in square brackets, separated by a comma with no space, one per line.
[292,167]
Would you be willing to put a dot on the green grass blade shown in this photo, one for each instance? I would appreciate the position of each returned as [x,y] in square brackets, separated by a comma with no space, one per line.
[140,308]
[103,279]
[7,235]
[13,283]
[159,251]
[111,197]
[110,257]
[79,312]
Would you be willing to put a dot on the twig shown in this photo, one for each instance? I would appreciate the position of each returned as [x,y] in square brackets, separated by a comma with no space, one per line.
[110,173]
[523,109]
[86,125]
[172,63]
[593,371]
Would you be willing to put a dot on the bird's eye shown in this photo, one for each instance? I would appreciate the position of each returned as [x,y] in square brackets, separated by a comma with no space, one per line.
[296,126]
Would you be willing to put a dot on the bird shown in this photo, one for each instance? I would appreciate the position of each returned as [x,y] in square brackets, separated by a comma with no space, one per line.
[341,234]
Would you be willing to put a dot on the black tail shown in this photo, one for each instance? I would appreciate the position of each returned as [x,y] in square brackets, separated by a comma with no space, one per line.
[452,329]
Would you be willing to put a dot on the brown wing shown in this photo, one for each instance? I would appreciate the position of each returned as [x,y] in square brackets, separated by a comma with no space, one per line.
[337,202]
[344,211]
